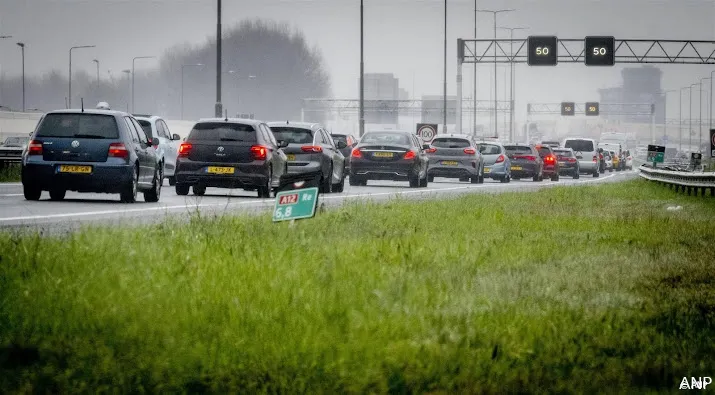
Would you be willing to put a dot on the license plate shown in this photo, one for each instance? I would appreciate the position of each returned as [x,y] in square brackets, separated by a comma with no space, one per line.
[291,157]
[75,169]
[220,170]
[449,163]
[516,168]
[487,170]
[383,154]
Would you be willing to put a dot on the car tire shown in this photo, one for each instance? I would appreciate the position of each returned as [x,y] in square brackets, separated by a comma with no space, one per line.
[326,184]
[57,194]
[199,190]
[172,180]
[31,193]
[339,187]
[415,182]
[182,189]
[424,181]
[576,175]
[153,195]
[354,181]
[129,192]
[536,178]
[474,180]
[430,178]
[596,174]
[555,177]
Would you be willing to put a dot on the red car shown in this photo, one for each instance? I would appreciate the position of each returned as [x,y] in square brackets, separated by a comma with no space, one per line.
[551,162]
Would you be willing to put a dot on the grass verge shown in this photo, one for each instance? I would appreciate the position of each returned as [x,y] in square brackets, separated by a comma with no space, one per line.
[10,173]
[568,289]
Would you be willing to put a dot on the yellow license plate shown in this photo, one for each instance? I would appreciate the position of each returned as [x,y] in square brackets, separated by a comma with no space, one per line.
[487,170]
[221,170]
[516,168]
[384,154]
[449,163]
[291,157]
[75,169]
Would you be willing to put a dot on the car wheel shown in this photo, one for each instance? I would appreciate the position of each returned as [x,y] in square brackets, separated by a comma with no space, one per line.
[474,180]
[172,180]
[415,182]
[182,189]
[129,194]
[424,182]
[339,187]
[354,181]
[153,195]
[596,174]
[199,190]
[481,176]
[57,194]
[326,184]
[264,191]
[536,178]
[430,178]
[31,193]
[576,175]
[555,177]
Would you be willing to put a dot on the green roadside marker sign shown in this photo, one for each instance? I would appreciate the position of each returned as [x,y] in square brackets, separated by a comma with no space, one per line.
[296,204]
[656,153]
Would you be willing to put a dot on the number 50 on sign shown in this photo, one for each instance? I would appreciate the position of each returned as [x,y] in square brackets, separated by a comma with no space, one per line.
[296,204]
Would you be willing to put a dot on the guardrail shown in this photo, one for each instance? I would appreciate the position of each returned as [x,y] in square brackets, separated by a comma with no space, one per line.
[685,181]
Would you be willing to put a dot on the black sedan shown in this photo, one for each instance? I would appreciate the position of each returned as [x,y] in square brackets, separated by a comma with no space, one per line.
[389,155]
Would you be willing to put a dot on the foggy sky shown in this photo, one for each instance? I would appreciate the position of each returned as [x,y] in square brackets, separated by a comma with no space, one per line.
[404,37]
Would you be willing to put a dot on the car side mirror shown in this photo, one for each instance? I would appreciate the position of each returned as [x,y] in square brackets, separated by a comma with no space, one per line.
[175,137]
[155,141]
[341,145]
[282,143]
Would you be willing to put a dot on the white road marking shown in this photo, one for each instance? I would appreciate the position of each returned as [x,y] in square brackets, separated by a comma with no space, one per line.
[10,194]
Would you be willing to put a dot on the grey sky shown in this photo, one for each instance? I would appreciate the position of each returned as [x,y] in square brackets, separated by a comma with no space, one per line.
[401,36]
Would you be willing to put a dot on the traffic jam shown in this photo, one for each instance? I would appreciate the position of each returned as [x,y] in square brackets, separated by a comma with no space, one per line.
[101,150]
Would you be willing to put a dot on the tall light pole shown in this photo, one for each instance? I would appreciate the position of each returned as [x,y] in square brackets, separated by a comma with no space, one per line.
[680,132]
[22,47]
[127,72]
[2,37]
[665,111]
[69,97]
[474,94]
[495,12]
[134,74]
[444,91]
[700,120]
[97,63]
[182,84]
[219,106]
[512,82]
[690,118]
[710,109]
[361,130]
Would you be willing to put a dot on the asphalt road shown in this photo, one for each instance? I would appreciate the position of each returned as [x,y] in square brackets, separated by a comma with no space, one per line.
[78,209]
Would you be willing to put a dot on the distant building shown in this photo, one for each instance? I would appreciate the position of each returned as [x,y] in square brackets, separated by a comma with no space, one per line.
[381,91]
[641,87]
[404,95]
[432,109]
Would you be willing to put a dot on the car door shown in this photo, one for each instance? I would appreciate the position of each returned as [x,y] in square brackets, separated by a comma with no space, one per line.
[421,154]
[147,158]
[279,161]
[335,156]
[137,147]
[172,149]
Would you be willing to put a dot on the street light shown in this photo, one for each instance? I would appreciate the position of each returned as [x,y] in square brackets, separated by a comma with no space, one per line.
[361,115]
[512,91]
[690,118]
[710,109]
[680,131]
[665,112]
[219,106]
[495,12]
[134,73]
[444,92]
[97,62]
[700,121]
[127,72]
[22,47]
[69,98]
[182,84]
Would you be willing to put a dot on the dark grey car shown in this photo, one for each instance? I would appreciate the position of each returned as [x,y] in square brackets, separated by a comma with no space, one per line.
[389,155]
[455,156]
[310,149]
[568,164]
[350,143]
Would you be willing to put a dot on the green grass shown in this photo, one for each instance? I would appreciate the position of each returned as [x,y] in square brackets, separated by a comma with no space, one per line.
[10,173]
[581,289]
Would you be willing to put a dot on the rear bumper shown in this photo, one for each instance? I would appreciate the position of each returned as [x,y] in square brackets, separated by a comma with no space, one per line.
[400,171]
[588,166]
[310,167]
[495,171]
[103,179]
[550,170]
[567,169]
[523,170]
[458,171]
[246,176]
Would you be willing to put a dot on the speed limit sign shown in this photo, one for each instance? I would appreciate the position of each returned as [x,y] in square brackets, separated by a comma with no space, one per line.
[712,143]
[427,131]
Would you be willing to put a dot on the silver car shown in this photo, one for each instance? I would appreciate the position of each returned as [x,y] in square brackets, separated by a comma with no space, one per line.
[312,149]
[168,147]
[455,156]
[497,164]
[586,151]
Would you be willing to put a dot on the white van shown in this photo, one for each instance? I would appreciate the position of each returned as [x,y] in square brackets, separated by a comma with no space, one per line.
[586,152]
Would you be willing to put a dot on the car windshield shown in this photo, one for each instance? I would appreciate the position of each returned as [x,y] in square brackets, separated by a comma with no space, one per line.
[451,143]
[83,125]
[293,135]
[565,154]
[489,149]
[146,125]
[580,145]
[517,149]
[385,138]
[339,138]
[222,131]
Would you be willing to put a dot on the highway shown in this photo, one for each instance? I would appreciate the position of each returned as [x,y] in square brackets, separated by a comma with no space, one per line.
[78,209]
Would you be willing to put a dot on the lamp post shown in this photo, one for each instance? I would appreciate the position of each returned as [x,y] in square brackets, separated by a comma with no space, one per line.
[690,118]
[69,97]
[444,91]
[495,12]
[1,37]
[361,115]
[182,84]
[97,63]
[22,47]
[127,72]
[665,111]
[134,74]
[512,91]
[700,120]
[680,132]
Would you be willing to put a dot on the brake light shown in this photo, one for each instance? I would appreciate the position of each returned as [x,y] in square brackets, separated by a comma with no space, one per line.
[571,160]
[500,159]
[311,148]
[34,147]
[259,152]
[549,159]
[470,151]
[530,158]
[431,150]
[185,149]
[118,150]
[409,155]
[356,153]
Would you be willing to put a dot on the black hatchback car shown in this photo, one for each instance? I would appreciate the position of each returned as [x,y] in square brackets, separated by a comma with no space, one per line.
[100,151]
[525,162]
[230,153]
[389,155]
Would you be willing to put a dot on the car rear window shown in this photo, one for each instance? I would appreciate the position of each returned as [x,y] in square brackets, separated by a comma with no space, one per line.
[146,125]
[544,150]
[293,135]
[451,143]
[580,145]
[489,149]
[385,138]
[97,126]
[221,131]
[565,154]
[338,138]
[517,149]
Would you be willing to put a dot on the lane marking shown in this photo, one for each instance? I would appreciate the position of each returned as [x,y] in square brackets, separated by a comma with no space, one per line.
[10,194]
[270,202]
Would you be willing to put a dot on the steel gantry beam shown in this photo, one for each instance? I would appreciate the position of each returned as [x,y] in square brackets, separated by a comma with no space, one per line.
[605,109]
[402,106]
[571,50]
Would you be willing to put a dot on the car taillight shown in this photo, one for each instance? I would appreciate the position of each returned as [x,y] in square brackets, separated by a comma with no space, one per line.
[549,159]
[185,149]
[409,155]
[118,150]
[470,151]
[500,159]
[356,153]
[530,158]
[311,148]
[595,158]
[34,147]
[431,150]
[571,160]
[259,152]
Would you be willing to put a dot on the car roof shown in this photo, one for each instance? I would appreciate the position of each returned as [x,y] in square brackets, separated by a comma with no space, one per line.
[89,111]
[147,117]
[451,135]
[388,131]
[300,125]
[245,121]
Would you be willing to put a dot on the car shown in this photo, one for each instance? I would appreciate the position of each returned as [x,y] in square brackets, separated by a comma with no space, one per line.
[568,164]
[497,164]
[608,161]
[394,155]
[230,153]
[616,160]
[93,150]
[551,163]
[168,148]
[12,148]
[350,143]
[552,144]
[629,160]
[455,156]
[310,148]
[525,162]
[586,151]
